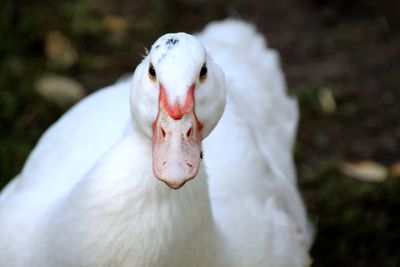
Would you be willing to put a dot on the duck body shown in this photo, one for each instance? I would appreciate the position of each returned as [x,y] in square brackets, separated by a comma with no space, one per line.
[258,199]
[87,225]
[87,195]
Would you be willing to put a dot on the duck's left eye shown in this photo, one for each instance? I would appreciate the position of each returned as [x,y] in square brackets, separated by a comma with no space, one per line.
[203,73]
[152,73]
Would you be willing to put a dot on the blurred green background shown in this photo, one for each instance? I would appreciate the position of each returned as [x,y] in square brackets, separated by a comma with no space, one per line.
[341,59]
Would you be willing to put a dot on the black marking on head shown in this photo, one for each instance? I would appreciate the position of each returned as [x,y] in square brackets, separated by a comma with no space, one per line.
[171,42]
[157,46]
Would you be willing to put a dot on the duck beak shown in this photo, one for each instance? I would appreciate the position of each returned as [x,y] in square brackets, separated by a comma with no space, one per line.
[176,142]
[176,149]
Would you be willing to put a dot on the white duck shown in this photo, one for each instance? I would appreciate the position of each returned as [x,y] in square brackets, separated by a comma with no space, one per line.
[87,195]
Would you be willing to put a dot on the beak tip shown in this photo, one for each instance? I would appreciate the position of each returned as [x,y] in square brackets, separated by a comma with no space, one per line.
[175,175]
[174,184]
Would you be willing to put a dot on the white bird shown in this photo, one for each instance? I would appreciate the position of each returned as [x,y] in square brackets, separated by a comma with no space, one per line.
[88,194]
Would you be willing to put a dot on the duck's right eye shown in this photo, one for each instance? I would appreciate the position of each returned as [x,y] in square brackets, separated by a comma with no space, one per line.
[203,73]
[152,73]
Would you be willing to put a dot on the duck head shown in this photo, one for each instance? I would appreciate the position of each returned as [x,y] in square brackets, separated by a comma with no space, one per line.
[177,98]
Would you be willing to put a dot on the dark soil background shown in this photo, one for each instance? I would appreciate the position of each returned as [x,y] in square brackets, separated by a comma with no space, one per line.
[345,51]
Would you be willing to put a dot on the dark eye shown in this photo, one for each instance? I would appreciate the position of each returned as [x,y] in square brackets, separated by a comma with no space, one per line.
[203,73]
[152,72]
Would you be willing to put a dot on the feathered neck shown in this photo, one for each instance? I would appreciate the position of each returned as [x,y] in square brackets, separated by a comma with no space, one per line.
[131,210]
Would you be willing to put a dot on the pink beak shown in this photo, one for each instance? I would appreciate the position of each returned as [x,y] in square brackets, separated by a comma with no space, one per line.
[176,141]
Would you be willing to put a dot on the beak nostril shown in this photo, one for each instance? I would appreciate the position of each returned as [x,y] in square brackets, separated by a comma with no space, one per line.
[163,132]
[190,165]
[189,133]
